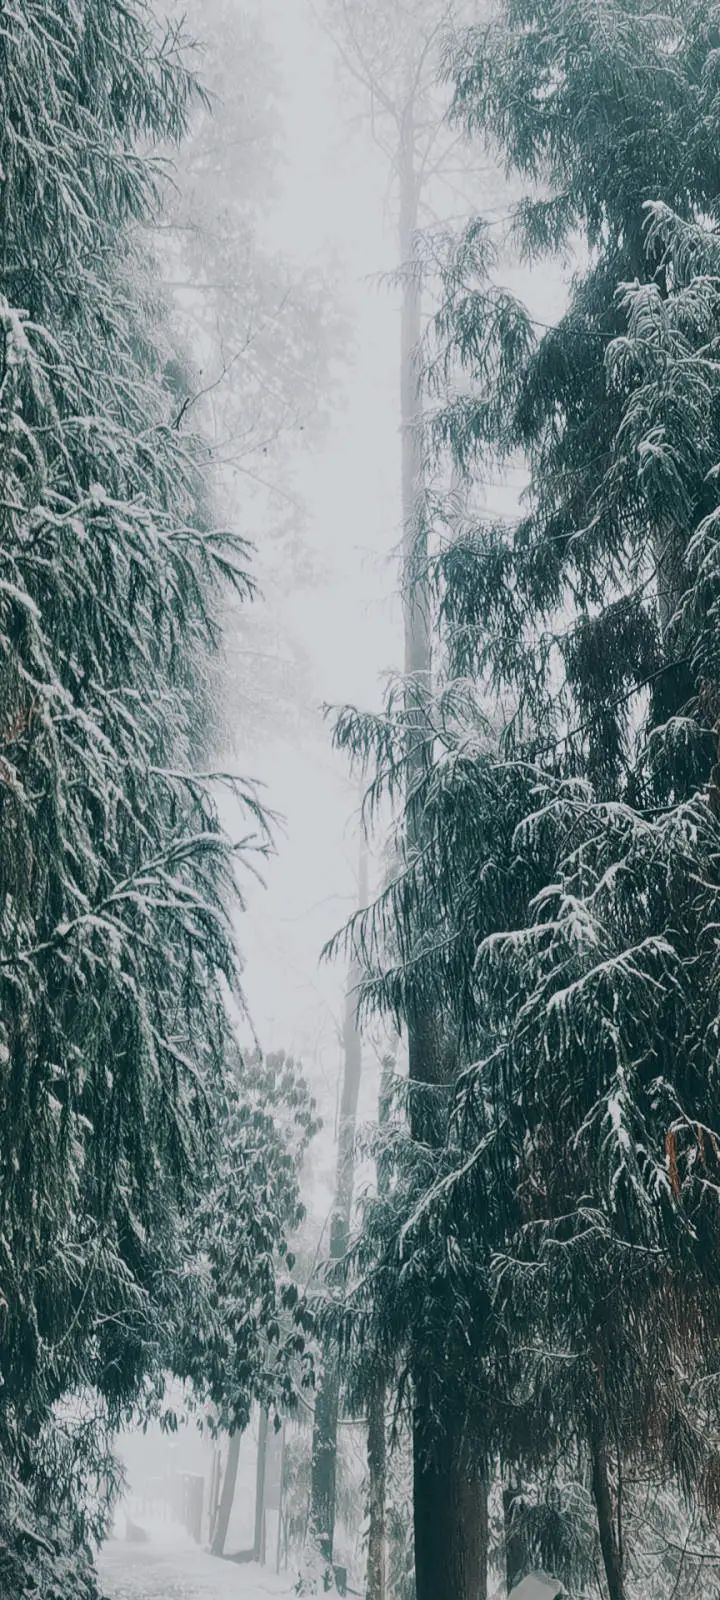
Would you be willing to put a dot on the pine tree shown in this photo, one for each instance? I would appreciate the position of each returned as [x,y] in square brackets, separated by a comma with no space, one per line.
[594,605]
[391,51]
[579,1163]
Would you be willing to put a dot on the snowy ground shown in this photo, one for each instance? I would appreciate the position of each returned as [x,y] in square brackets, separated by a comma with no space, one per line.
[171,1567]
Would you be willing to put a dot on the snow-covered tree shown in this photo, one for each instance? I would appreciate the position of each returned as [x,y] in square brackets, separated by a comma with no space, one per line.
[391,54]
[563,905]
[117,962]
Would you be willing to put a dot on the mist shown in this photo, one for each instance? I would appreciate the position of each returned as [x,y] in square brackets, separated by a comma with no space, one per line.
[360,786]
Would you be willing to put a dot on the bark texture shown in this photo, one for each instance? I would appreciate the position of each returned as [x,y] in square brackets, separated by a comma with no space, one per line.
[228,1494]
[517,1564]
[259,1539]
[450,1511]
[327,1400]
[605,1512]
[376,1455]
[451,1522]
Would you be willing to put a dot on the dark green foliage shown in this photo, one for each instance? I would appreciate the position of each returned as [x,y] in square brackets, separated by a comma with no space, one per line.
[117,959]
[560,911]
[604,429]
[241,1323]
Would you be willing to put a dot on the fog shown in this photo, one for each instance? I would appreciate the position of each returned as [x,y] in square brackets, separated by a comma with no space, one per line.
[359,1123]
[334,208]
[331,631]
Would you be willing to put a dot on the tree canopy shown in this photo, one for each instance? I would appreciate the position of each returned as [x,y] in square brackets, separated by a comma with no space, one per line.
[118,969]
[556,889]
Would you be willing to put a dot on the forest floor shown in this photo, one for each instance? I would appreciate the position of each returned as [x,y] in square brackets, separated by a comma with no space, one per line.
[171,1567]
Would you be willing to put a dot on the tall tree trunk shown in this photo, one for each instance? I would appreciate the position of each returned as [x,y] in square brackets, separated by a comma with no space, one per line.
[605,1512]
[415,608]
[259,1539]
[214,1495]
[228,1494]
[451,1518]
[517,1564]
[450,1501]
[325,1422]
[324,1456]
[376,1444]
[376,1453]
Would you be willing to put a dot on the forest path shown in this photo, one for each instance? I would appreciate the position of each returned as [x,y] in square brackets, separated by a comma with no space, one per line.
[171,1567]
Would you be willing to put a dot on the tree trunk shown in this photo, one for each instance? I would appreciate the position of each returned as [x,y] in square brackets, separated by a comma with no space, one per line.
[376,1451]
[228,1494]
[516,1556]
[415,607]
[327,1399]
[259,1539]
[450,1506]
[607,1527]
[324,1457]
[214,1495]
[376,1444]
[451,1521]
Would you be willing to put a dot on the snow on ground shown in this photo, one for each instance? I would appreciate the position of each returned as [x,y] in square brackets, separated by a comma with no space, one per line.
[171,1567]
[538,1586]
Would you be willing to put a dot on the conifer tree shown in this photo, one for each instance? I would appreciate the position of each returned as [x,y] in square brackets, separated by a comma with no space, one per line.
[593,613]
[579,1164]
[391,51]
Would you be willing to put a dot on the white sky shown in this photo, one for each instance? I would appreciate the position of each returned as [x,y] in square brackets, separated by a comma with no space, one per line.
[335,209]
[332,210]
